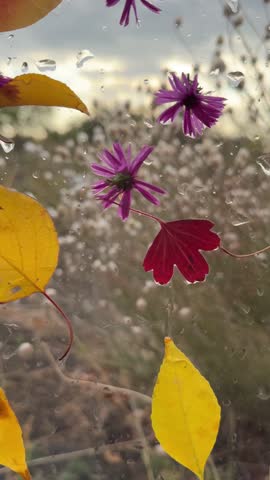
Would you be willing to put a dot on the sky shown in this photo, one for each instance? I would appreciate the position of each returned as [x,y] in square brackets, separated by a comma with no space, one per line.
[124,58]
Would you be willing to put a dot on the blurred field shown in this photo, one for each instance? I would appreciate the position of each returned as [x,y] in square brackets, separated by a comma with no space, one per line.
[120,316]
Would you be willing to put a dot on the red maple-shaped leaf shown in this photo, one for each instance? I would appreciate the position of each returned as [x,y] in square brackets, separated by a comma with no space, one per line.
[179,243]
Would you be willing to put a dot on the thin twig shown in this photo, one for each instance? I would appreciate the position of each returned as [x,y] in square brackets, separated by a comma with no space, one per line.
[91,384]
[214,469]
[87,452]
[145,451]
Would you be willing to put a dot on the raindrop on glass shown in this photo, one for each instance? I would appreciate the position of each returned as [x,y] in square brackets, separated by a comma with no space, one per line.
[7,146]
[46,65]
[215,72]
[24,67]
[235,78]
[148,124]
[264,162]
[263,395]
[234,5]
[83,56]
[239,219]
[260,292]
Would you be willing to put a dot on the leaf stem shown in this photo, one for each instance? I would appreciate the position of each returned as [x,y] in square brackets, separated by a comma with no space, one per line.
[68,323]
[245,255]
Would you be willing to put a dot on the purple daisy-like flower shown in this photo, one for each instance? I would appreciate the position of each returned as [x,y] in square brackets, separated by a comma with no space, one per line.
[131,4]
[200,110]
[120,178]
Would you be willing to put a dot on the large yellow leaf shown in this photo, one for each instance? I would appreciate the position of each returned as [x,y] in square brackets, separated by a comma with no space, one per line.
[12,452]
[185,411]
[37,89]
[28,246]
[20,13]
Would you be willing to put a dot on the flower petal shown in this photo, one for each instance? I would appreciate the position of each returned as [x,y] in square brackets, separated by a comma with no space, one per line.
[124,206]
[107,157]
[126,12]
[111,3]
[99,186]
[209,109]
[192,126]
[151,7]
[170,113]
[139,159]
[102,171]
[109,198]
[150,186]
[167,96]
[147,195]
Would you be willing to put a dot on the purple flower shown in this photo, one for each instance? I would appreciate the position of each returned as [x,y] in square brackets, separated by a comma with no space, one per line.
[120,178]
[200,110]
[129,4]
[4,80]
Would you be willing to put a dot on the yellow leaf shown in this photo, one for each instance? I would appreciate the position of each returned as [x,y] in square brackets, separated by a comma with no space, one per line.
[12,452]
[37,89]
[20,13]
[185,411]
[28,246]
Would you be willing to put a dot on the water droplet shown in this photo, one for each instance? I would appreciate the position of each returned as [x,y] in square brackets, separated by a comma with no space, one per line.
[183,189]
[83,56]
[263,395]
[239,219]
[215,72]
[260,292]
[7,146]
[245,308]
[35,175]
[148,125]
[24,67]
[235,78]
[11,36]
[46,65]
[234,5]
[146,81]
[264,162]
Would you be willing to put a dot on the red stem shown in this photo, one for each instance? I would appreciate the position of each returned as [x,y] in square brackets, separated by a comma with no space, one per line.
[245,255]
[68,323]
[139,212]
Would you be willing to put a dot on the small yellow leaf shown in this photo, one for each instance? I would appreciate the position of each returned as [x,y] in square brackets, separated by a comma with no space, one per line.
[37,89]
[28,246]
[12,452]
[185,411]
[20,13]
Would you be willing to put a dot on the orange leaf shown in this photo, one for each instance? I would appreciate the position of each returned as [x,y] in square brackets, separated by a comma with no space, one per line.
[20,13]
[12,452]
[36,89]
